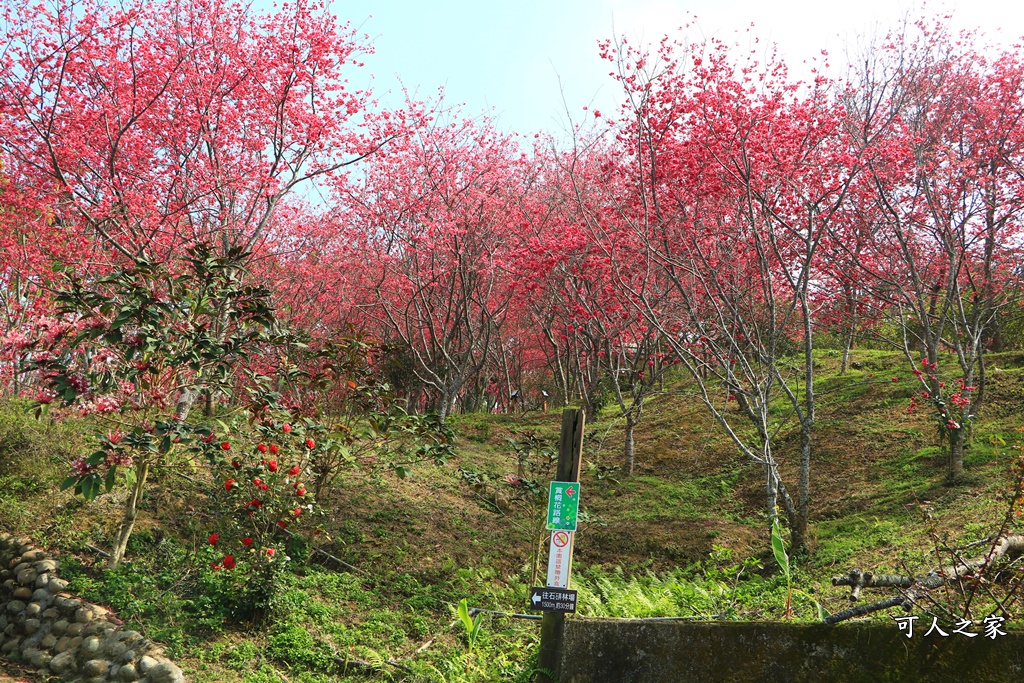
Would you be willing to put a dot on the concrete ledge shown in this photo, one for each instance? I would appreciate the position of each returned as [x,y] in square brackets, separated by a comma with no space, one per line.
[626,651]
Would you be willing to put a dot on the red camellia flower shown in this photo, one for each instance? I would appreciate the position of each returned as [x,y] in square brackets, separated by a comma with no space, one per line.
[310,443]
[257,481]
[274,449]
[300,492]
[237,465]
[229,562]
[270,552]
[272,466]
[225,446]
[213,539]
[286,428]
[262,448]
[294,470]
[283,524]
[247,541]
[215,566]
[297,512]
[255,503]
[229,484]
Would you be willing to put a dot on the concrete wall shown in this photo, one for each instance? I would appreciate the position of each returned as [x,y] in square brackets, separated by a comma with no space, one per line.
[59,635]
[627,651]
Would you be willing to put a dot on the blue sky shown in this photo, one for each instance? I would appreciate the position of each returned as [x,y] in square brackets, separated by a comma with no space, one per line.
[508,58]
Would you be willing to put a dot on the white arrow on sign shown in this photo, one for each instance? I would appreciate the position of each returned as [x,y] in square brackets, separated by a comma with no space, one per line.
[535,598]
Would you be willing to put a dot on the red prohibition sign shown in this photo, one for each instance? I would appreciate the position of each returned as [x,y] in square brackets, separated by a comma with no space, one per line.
[561,539]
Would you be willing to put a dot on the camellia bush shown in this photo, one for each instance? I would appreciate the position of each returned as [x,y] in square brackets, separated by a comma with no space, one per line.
[134,348]
[258,500]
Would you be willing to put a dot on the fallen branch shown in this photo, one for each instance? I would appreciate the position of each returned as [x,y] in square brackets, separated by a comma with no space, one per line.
[911,588]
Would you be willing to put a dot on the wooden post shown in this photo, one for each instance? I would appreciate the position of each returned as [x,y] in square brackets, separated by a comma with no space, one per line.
[570,455]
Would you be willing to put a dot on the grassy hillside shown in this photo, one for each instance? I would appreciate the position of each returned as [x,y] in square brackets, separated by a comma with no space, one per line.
[686,535]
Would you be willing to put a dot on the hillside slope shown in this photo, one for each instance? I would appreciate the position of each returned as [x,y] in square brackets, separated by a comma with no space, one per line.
[686,535]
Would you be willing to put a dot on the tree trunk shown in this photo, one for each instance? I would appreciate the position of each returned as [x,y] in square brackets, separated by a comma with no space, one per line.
[956,460]
[628,451]
[847,346]
[804,509]
[131,511]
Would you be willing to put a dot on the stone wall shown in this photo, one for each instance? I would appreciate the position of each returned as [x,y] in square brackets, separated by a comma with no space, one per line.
[45,627]
[637,651]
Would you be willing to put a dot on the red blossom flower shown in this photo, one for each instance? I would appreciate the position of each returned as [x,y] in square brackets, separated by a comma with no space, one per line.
[286,428]
[236,464]
[283,524]
[310,443]
[213,539]
[229,484]
[262,448]
[225,446]
[294,470]
[272,466]
[229,562]
[247,541]
[274,449]
[300,492]
[297,512]
[215,566]
[270,552]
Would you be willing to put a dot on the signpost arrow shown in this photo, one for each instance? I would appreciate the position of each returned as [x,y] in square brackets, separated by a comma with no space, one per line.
[557,600]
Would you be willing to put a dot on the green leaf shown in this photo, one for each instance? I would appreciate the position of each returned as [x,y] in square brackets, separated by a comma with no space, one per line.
[69,482]
[96,458]
[464,617]
[779,547]
[91,486]
[109,483]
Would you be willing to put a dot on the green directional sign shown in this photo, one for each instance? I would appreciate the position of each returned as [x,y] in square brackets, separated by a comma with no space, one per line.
[563,505]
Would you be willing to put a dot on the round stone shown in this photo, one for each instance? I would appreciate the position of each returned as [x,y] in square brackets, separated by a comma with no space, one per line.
[63,664]
[74,630]
[95,667]
[146,664]
[128,673]
[114,649]
[27,576]
[166,672]
[46,566]
[15,606]
[23,593]
[56,585]
[89,648]
[40,659]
